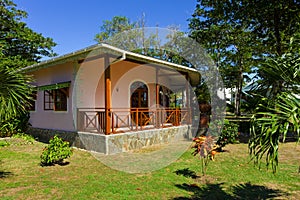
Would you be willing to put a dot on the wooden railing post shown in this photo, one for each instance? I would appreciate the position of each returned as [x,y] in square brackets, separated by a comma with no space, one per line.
[157,120]
[176,117]
[112,121]
[79,120]
[137,119]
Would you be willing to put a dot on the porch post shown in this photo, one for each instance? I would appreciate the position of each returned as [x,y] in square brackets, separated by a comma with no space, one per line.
[107,95]
[157,114]
[188,97]
[157,89]
[187,93]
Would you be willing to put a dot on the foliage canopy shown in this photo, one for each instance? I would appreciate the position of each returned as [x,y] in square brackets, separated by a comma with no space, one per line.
[20,46]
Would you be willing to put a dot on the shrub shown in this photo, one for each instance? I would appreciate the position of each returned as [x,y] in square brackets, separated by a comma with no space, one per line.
[55,152]
[15,125]
[229,134]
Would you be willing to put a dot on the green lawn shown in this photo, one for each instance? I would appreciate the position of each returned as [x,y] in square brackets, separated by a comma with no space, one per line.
[230,176]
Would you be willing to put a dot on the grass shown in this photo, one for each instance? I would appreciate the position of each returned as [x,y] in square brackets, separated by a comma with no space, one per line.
[230,176]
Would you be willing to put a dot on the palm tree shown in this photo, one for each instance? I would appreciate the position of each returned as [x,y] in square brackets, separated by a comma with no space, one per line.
[280,114]
[15,95]
[269,127]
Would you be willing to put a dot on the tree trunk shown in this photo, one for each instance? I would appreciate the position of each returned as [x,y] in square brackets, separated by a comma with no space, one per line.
[238,92]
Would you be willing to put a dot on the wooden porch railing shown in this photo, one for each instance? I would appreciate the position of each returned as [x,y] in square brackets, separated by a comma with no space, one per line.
[131,119]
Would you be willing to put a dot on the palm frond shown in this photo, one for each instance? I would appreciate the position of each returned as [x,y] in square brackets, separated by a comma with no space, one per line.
[267,128]
[15,93]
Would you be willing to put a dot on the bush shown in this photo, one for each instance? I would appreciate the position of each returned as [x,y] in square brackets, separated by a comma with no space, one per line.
[229,134]
[55,152]
[15,125]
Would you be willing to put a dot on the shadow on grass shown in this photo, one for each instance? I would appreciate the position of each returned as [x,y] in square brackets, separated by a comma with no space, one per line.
[248,191]
[245,191]
[208,191]
[5,174]
[186,172]
[64,163]
[53,164]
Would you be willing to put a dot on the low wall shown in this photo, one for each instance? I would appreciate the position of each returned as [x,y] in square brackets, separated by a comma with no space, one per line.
[116,143]
[44,135]
[135,140]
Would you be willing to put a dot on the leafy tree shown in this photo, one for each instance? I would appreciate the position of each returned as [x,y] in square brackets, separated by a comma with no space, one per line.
[19,47]
[272,22]
[140,40]
[135,39]
[226,39]
[112,27]
[239,34]
[278,82]
[17,40]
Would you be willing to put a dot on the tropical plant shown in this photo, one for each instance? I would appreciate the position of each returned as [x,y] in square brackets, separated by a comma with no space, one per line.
[279,110]
[206,149]
[278,74]
[15,96]
[16,125]
[55,152]
[269,127]
[228,135]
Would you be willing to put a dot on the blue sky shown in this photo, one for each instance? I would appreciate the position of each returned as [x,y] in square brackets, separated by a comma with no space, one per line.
[73,23]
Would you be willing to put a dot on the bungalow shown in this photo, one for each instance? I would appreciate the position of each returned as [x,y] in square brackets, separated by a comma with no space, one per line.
[109,100]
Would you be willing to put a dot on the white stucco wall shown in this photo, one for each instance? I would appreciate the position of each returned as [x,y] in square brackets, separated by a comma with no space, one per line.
[49,119]
[89,84]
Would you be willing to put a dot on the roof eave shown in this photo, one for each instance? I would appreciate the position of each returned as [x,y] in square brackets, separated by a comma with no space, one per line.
[83,53]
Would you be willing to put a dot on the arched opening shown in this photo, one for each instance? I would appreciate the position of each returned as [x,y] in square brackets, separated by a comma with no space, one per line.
[139,95]
[139,103]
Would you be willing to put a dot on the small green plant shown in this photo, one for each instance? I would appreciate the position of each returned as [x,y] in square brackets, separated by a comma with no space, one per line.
[55,152]
[4,143]
[27,138]
[229,134]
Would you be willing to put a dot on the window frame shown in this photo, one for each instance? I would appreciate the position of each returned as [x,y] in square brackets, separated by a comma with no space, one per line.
[56,99]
